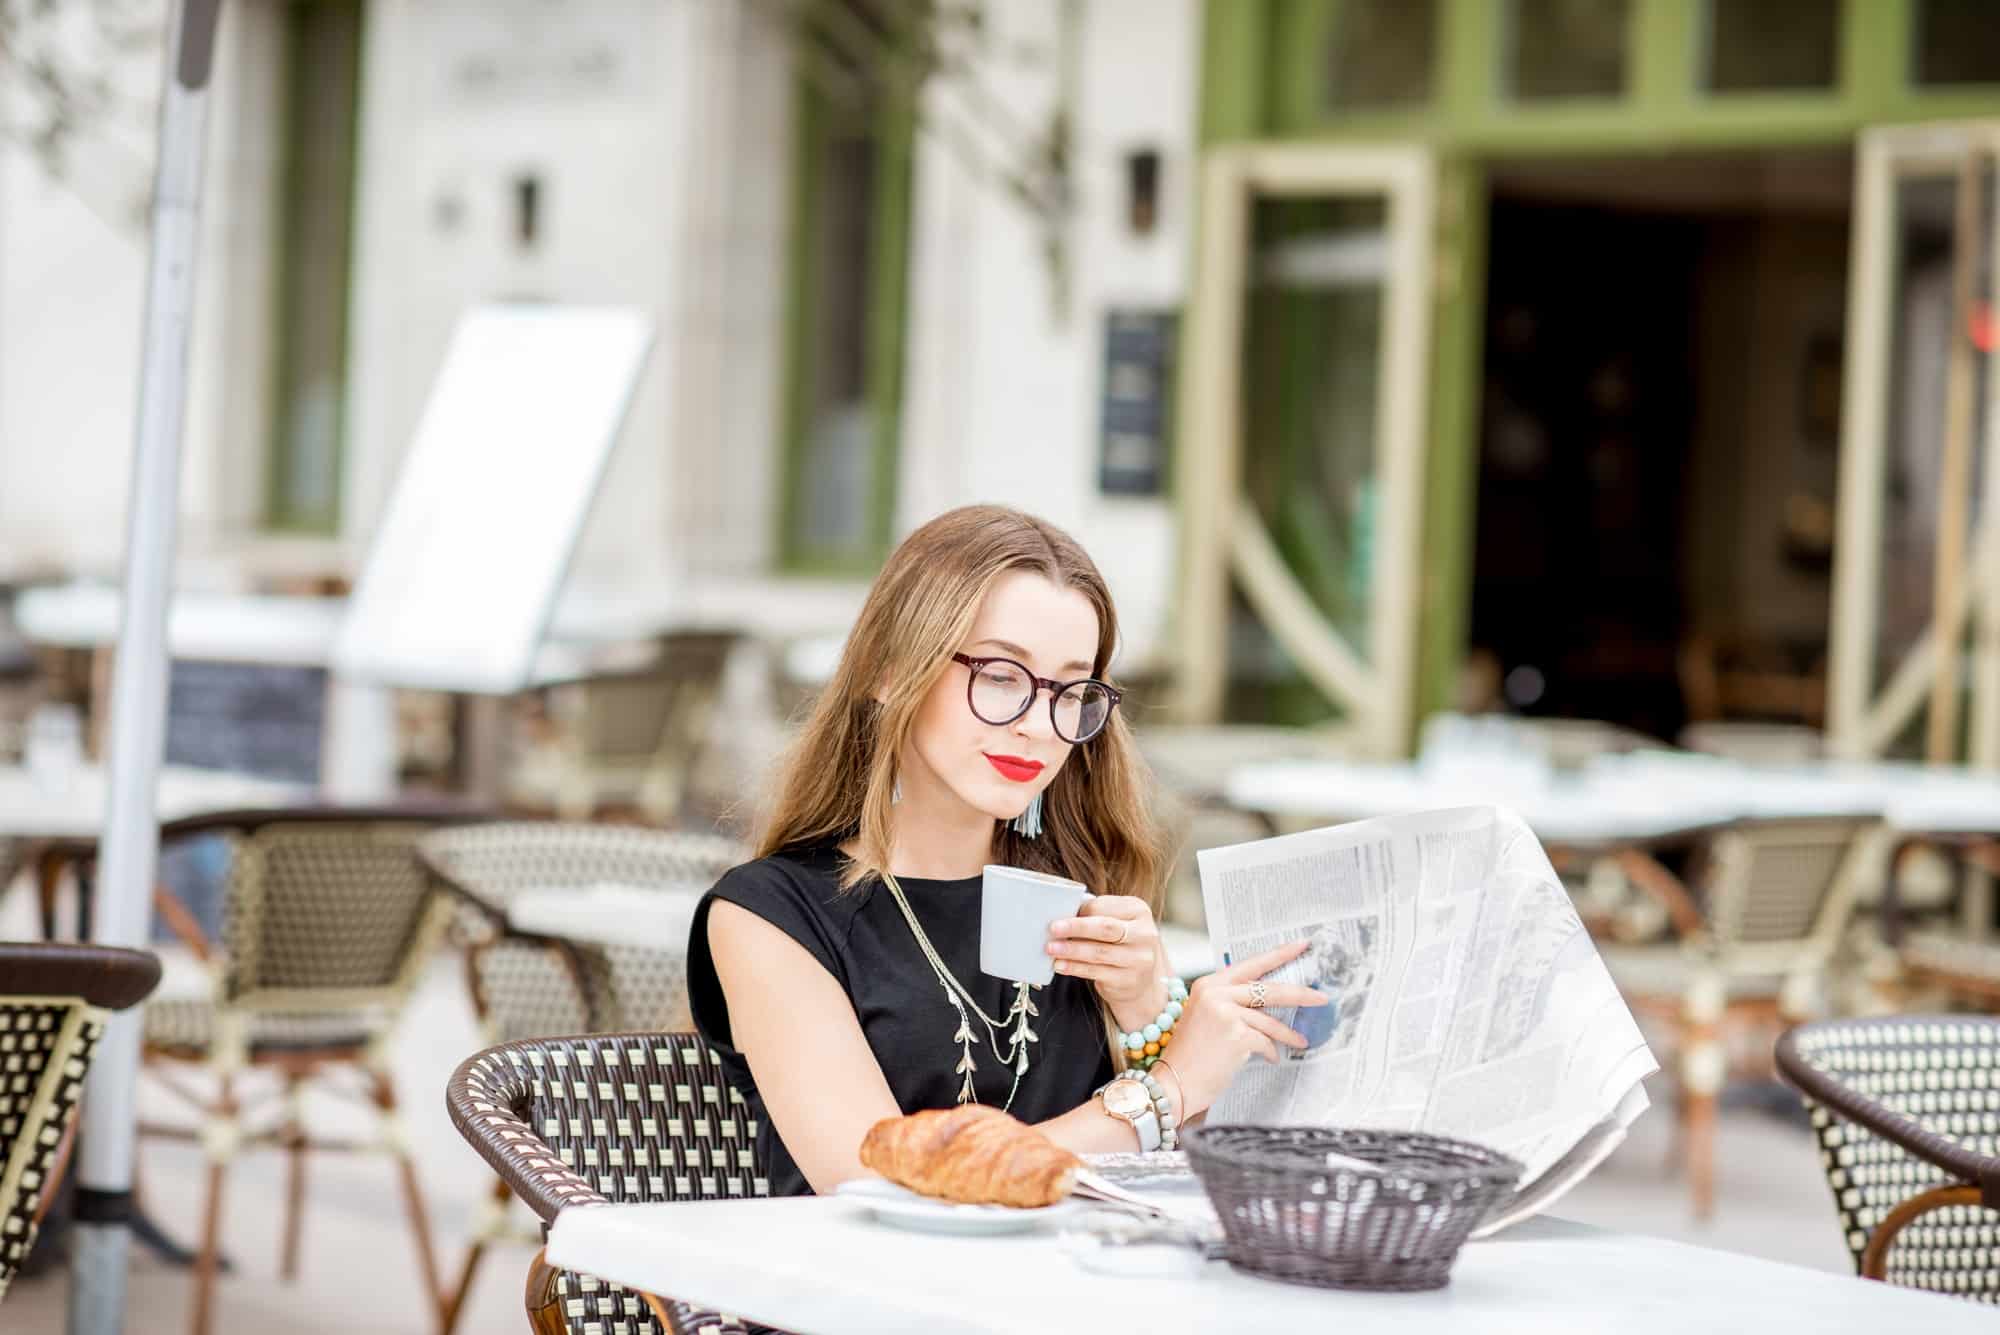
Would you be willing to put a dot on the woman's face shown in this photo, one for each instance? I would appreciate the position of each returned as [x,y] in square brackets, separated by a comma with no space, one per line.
[998,769]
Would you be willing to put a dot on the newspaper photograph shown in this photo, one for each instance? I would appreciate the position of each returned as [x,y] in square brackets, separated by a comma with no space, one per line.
[1467,999]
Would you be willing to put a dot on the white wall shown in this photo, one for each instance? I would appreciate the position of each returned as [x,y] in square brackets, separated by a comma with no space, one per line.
[73,257]
[1002,393]
[623,111]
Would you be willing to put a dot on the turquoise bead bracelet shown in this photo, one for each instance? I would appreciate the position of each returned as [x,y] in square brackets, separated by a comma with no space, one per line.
[1136,1042]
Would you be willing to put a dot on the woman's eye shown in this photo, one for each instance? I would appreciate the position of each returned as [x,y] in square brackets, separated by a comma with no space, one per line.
[1003,677]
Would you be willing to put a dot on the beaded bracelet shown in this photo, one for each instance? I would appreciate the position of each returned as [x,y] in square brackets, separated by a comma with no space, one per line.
[1163,1108]
[1144,1046]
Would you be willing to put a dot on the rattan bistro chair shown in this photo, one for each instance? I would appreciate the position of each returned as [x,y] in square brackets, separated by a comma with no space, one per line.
[53,1003]
[571,1123]
[328,923]
[1907,1110]
[1768,906]
[529,986]
[1934,951]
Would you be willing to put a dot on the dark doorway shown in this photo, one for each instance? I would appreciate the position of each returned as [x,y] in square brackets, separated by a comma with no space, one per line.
[1658,453]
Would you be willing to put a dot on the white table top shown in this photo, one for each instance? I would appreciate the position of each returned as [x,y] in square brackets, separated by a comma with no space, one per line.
[818,1264]
[648,918]
[76,809]
[653,918]
[1635,797]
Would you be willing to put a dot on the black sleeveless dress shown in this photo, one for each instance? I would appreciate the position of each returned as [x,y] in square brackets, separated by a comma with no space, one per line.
[860,937]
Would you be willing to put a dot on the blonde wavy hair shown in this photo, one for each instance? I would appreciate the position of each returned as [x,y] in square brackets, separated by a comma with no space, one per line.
[836,780]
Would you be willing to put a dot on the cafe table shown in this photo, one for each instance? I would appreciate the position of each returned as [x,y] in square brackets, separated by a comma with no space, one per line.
[54,817]
[657,919]
[823,1266]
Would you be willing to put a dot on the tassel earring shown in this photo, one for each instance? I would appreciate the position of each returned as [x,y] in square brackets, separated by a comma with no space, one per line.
[1029,823]
[896,791]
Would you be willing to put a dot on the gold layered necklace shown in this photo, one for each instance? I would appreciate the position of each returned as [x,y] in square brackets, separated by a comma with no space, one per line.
[1016,1052]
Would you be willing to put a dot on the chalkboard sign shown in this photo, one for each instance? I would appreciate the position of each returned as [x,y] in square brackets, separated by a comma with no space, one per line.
[259,719]
[1138,395]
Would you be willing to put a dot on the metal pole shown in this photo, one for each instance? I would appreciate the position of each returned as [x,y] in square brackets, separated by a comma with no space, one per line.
[130,845]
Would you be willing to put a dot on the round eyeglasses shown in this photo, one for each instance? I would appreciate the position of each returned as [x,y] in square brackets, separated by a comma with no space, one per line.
[1000,690]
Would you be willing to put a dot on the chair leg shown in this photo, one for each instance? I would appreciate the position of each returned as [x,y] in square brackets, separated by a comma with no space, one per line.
[295,1204]
[1704,1066]
[544,1307]
[221,1134]
[1699,1128]
[454,1302]
[413,1201]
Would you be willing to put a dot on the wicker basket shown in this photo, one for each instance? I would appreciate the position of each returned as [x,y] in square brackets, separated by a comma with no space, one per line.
[1288,1213]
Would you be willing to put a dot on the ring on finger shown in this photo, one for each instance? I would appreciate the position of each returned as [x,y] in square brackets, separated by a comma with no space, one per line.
[1259,994]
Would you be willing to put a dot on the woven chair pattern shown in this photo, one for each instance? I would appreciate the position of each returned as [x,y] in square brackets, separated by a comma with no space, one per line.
[525,989]
[326,928]
[45,1049]
[1772,884]
[1902,1106]
[576,1122]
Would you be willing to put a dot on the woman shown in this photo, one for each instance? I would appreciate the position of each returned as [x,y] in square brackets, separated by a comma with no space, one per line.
[968,722]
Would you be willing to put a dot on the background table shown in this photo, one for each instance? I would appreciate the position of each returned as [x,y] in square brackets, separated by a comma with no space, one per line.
[643,934]
[75,807]
[819,1265]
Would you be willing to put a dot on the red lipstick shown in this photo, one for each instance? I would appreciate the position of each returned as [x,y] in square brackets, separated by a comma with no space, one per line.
[1015,768]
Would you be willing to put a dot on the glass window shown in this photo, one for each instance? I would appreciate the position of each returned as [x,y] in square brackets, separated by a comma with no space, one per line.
[1567,48]
[323,69]
[1772,45]
[1381,52]
[1957,42]
[846,339]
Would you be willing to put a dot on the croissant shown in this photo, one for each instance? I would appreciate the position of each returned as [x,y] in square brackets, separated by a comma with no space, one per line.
[971,1154]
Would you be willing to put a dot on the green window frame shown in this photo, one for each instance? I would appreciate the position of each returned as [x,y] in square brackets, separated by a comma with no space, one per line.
[890,125]
[313,265]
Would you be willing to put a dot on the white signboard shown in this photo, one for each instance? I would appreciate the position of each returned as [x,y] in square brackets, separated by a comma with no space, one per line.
[466,564]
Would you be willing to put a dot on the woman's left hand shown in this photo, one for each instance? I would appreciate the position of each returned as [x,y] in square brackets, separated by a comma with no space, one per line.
[1114,942]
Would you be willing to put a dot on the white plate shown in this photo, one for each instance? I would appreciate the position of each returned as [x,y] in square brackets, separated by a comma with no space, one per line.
[907,1209]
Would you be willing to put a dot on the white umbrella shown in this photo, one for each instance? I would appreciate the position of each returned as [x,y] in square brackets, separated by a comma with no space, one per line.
[122,911]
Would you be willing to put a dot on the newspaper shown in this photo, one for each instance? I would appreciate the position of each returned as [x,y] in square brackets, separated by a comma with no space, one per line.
[1466,997]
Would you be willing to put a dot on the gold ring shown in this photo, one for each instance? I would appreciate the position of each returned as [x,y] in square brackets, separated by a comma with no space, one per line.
[1124,930]
[1257,995]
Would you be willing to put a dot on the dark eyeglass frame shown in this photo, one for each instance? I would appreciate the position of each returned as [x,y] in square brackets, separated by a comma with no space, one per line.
[1054,688]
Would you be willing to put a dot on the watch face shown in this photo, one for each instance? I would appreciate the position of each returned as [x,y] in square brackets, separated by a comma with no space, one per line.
[1126,1098]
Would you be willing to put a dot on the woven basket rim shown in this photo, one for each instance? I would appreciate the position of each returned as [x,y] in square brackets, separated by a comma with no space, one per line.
[1488,1159]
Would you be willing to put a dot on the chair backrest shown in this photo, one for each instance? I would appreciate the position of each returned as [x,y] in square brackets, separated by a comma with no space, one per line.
[1779,888]
[1929,1081]
[490,864]
[328,911]
[616,1118]
[529,989]
[53,1003]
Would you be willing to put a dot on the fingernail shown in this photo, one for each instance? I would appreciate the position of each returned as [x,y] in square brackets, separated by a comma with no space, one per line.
[1062,966]
[1053,948]
[1063,925]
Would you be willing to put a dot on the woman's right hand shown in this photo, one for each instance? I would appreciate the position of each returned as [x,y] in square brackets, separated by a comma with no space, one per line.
[1219,1029]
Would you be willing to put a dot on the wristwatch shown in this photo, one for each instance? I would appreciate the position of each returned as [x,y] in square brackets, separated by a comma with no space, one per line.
[1126,1099]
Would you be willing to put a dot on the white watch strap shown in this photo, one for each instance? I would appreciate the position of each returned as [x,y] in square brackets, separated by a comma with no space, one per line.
[1147,1123]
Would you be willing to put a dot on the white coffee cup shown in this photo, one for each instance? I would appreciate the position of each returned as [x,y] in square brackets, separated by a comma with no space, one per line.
[1016,907]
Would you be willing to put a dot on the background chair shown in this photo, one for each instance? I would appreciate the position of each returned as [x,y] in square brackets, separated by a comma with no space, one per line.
[655,1120]
[625,740]
[1769,903]
[1907,1111]
[531,986]
[328,923]
[1939,951]
[53,1003]
[526,985]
